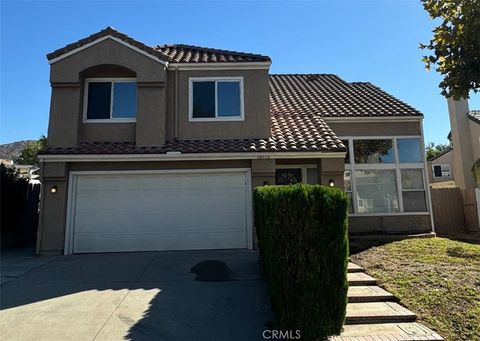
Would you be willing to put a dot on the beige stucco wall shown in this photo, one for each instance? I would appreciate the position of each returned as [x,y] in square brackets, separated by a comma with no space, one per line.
[256,103]
[375,128]
[463,143]
[67,78]
[475,137]
[446,158]
[52,221]
[394,224]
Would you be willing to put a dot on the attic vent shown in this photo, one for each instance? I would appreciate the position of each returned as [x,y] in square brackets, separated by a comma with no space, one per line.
[312,78]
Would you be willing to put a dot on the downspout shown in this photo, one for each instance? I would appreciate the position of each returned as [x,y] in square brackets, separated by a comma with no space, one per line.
[175,114]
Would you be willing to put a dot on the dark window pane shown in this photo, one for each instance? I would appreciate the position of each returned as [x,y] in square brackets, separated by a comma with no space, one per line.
[437,170]
[414,201]
[203,99]
[288,176]
[409,150]
[228,97]
[98,106]
[124,100]
[373,151]
[347,157]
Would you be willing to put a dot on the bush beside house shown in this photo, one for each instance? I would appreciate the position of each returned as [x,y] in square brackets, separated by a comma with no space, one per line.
[19,207]
[303,241]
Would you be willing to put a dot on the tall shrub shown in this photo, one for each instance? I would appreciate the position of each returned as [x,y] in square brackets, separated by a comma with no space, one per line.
[19,209]
[303,241]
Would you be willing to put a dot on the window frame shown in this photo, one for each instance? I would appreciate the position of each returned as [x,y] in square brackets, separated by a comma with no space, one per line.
[111,80]
[302,167]
[217,118]
[397,166]
[441,170]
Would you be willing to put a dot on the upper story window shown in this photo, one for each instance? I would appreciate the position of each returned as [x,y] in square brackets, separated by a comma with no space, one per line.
[110,99]
[216,99]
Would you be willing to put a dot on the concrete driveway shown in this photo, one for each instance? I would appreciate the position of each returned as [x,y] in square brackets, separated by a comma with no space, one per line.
[138,296]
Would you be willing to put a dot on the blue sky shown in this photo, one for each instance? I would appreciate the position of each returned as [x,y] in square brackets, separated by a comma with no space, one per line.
[375,41]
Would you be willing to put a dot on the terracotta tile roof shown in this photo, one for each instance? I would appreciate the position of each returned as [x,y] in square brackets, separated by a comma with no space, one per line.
[180,53]
[106,32]
[474,115]
[329,96]
[290,133]
[177,53]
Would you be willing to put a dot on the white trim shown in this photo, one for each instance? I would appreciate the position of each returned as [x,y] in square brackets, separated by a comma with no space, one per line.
[308,165]
[380,137]
[395,166]
[69,221]
[441,170]
[221,66]
[217,118]
[72,187]
[425,179]
[371,119]
[185,157]
[112,81]
[380,214]
[136,49]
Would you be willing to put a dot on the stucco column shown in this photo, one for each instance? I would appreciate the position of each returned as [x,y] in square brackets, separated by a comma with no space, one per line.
[64,114]
[151,114]
[462,143]
[52,219]
[263,172]
[331,169]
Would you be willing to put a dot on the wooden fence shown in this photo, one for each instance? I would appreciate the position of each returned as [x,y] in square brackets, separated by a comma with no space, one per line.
[454,210]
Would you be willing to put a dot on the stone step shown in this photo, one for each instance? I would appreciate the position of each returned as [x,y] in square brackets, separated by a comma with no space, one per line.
[411,331]
[352,267]
[370,293]
[360,278]
[378,312]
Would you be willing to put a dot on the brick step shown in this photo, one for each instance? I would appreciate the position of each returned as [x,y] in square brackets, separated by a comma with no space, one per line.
[377,312]
[370,293]
[352,267]
[360,278]
[411,331]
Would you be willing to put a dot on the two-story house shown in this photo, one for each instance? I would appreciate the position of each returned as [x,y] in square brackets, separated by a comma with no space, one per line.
[159,148]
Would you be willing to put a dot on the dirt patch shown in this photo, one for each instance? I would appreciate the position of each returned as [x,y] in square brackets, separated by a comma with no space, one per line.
[437,278]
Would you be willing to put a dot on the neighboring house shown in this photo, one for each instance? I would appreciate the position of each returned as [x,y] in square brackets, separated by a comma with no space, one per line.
[6,163]
[27,171]
[465,125]
[440,167]
[159,148]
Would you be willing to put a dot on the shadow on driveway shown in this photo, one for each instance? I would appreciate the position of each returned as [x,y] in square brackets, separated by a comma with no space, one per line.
[139,296]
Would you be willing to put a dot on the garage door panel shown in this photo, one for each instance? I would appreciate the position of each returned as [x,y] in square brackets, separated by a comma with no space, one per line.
[144,212]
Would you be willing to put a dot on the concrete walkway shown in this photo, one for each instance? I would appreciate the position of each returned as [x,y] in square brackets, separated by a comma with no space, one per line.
[191,295]
[373,314]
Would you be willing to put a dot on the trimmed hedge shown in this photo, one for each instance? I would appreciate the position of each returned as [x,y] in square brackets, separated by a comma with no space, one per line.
[303,241]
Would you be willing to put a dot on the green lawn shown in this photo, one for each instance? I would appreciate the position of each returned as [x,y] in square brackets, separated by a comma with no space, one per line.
[437,278]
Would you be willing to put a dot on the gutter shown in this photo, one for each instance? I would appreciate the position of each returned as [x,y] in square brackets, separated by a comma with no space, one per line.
[177,156]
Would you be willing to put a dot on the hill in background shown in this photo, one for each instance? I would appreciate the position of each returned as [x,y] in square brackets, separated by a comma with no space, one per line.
[10,151]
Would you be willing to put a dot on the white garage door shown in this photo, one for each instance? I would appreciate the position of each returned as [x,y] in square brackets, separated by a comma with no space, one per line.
[166,211]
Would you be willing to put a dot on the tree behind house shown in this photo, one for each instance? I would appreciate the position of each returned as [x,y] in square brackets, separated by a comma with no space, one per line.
[28,155]
[455,45]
